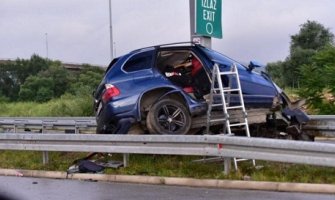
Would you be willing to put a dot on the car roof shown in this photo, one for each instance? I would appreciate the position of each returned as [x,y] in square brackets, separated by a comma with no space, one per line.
[176,44]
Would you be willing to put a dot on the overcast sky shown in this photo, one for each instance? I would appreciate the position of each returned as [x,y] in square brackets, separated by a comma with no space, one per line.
[78,30]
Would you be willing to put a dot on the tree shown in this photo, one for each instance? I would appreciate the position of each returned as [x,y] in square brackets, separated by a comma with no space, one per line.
[14,73]
[312,35]
[59,76]
[47,84]
[275,70]
[37,88]
[3,98]
[311,38]
[38,79]
[87,81]
[318,81]
[44,94]
[10,79]
[292,67]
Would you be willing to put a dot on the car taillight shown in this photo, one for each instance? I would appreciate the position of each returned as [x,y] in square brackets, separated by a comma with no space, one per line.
[110,92]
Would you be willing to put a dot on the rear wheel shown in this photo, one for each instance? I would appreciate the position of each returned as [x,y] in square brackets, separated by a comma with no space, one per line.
[168,116]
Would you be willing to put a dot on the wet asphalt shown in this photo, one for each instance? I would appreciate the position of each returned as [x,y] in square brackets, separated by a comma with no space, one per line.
[24,188]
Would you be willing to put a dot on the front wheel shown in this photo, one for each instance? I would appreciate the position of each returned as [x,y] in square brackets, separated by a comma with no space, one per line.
[168,116]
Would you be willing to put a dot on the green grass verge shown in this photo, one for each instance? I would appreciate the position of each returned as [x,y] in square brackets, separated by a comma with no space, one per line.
[176,166]
[67,105]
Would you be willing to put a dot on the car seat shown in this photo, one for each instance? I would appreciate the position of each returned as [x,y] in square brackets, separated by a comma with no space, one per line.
[200,84]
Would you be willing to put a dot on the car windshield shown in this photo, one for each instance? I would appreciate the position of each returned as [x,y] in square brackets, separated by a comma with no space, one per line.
[219,58]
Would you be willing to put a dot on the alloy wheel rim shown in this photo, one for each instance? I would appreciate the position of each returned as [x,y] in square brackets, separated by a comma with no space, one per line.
[171,118]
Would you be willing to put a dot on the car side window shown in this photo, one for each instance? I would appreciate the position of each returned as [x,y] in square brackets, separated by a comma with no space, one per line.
[139,62]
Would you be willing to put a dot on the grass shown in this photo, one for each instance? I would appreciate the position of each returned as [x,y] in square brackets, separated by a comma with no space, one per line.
[281,172]
[33,160]
[67,105]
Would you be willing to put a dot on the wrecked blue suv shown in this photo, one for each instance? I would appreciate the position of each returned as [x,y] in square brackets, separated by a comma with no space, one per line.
[164,90]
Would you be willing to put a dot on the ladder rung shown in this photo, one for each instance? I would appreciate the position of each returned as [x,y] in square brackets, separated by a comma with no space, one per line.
[239,124]
[234,107]
[218,120]
[228,73]
[219,104]
[226,90]
[231,90]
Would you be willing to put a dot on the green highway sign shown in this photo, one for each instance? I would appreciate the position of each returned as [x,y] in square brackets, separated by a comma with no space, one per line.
[208,18]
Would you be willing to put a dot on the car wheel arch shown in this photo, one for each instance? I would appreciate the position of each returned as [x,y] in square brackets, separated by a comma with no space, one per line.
[148,98]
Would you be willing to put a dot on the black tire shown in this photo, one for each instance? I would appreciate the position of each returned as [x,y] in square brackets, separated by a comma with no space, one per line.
[168,116]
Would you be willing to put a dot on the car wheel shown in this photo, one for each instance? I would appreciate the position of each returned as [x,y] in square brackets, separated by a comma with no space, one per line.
[168,116]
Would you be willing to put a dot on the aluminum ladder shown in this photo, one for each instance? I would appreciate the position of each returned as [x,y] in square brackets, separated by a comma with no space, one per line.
[224,96]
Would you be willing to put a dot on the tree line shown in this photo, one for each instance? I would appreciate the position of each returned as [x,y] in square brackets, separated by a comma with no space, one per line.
[38,79]
[309,67]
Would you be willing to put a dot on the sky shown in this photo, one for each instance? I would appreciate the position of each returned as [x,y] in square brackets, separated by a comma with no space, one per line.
[77,31]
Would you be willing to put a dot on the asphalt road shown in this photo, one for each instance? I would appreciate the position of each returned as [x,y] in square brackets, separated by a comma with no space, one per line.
[22,188]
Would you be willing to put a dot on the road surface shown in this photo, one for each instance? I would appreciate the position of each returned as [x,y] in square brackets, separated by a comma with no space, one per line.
[24,188]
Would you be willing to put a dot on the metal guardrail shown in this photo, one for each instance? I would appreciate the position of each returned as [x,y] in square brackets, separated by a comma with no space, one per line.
[254,148]
[49,124]
[321,125]
[249,148]
[312,153]
[44,124]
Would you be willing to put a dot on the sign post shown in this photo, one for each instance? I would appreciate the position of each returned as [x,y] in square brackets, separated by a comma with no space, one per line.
[205,21]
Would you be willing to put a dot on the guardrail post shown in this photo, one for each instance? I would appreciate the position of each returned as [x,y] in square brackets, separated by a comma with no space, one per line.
[45,157]
[45,153]
[125,160]
[227,165]
[76,128]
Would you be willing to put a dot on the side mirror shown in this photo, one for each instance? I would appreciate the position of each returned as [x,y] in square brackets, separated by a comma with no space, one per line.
[254,64]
